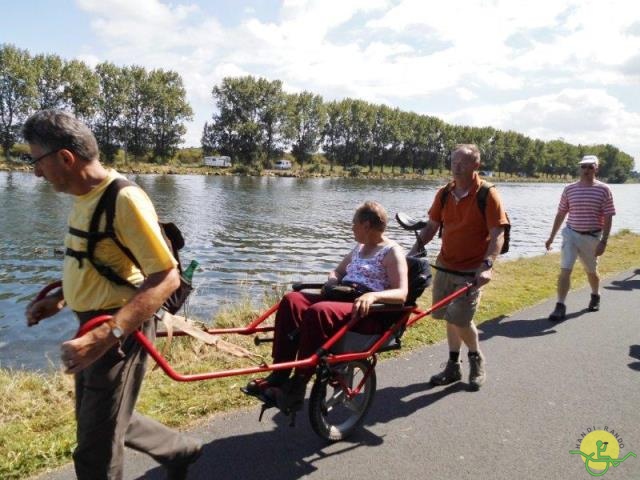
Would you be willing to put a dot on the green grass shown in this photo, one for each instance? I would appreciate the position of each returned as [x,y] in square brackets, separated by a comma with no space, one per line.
[37,428]
[36,415]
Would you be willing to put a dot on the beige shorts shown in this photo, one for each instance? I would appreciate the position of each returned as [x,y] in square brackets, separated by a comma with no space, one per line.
[576,245]
[461,310]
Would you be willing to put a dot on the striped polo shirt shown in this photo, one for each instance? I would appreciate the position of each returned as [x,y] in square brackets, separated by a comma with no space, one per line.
[587,205]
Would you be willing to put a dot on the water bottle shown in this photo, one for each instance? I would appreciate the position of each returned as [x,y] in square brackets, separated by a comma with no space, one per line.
[188,272]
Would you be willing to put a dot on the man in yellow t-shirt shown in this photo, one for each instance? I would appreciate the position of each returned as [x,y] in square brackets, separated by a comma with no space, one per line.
[471,241]
[107,362]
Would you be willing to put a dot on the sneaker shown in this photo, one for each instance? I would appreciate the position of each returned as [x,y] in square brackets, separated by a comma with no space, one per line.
[179,470]
[451,373]
[594,303]
[477,373]
[559,313]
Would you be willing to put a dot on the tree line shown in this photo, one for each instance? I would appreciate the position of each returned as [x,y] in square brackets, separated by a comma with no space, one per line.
[129,108]
[257,121]
[142,113]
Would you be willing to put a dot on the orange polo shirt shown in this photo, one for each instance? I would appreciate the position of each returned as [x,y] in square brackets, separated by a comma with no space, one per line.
[465,235]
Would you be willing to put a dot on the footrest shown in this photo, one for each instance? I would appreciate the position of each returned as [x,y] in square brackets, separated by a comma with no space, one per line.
[259,395]
[267,402]
[392,344]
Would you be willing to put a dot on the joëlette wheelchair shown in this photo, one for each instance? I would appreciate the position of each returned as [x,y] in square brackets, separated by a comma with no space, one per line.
[345,377]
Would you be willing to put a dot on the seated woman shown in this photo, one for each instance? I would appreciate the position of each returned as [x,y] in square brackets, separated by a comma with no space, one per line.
[377,264]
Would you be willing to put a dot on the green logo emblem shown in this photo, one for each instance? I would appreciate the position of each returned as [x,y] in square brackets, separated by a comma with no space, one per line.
[599,450]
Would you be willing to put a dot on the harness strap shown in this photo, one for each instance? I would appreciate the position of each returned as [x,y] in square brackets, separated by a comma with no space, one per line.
[106,205]
[76,254]
[82,234]
[481,199]
[455,272]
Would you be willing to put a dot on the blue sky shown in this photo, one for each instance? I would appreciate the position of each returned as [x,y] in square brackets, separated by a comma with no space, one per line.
[550,69]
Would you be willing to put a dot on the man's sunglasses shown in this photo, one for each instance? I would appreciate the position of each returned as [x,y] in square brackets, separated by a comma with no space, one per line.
[590,166]
[32,161]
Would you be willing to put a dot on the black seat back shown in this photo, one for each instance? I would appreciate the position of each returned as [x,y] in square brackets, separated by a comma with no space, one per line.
[419,278]
[419,273]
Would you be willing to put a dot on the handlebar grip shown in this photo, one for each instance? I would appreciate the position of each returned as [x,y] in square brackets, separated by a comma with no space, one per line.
[48,288]
[389,307]
[409,223]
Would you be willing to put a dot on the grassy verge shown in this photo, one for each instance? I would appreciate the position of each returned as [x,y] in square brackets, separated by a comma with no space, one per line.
[36,416]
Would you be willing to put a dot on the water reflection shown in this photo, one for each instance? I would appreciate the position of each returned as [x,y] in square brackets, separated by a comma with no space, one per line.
[248,233]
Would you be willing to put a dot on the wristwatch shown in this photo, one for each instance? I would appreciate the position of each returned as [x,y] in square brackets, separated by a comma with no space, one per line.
[487,262]
[116,331]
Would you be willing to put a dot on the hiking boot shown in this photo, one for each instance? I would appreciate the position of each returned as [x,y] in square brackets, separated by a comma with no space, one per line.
[451,373]
[477,373]
[594,303]
[559,313]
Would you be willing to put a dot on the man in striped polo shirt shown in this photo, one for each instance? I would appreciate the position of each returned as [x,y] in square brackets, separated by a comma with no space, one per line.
[589,204]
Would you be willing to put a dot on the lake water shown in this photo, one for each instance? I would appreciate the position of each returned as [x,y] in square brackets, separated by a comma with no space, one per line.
[248,233]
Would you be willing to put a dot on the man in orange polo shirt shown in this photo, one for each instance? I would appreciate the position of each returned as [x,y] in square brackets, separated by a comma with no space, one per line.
[471,241]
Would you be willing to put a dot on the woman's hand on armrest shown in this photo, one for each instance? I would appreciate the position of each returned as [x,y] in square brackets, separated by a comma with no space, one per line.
[362,304]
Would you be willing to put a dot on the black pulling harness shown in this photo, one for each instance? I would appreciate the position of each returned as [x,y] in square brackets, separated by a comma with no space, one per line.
[106,205]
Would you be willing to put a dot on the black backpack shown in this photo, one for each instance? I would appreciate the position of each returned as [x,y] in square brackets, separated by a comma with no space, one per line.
[107,205]
[481,198]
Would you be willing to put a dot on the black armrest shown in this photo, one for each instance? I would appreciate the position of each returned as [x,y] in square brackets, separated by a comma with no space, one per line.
[297,286]
[389,307]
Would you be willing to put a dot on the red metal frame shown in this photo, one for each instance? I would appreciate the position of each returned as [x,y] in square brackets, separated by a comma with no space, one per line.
[410,315]
[353,392]
[48,288]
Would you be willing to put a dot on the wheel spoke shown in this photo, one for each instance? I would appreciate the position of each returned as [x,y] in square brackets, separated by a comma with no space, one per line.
[354,405]
[334,399]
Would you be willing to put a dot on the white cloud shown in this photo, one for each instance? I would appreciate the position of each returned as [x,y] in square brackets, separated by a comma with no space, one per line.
[551,61]
[90,60]
[580,116]
[465,94]
[632,67]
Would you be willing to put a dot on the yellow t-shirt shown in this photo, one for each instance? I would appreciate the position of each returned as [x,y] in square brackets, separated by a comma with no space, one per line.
[136,226]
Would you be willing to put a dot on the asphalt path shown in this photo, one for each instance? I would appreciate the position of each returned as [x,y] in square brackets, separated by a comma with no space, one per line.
[548,384]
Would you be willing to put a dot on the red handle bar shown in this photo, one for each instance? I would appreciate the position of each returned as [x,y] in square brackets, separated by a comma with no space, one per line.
[48,288]
[311,361]
[91,324]
[84,328]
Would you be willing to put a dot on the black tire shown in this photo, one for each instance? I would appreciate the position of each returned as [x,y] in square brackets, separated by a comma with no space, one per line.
[333,416]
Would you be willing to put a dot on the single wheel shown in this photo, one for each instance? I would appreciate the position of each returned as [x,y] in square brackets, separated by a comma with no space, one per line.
[333,415]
